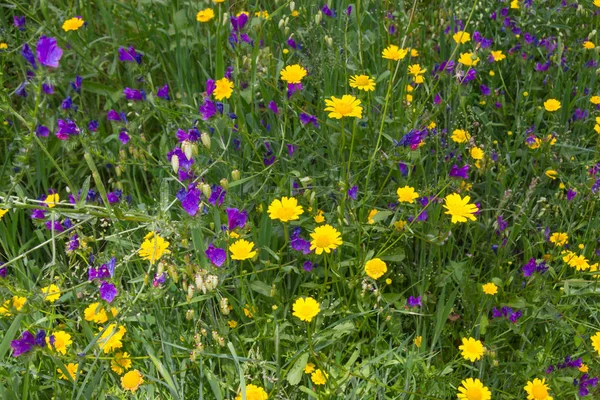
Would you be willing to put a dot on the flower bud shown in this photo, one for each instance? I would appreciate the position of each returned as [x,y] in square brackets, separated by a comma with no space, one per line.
[235,175]
[205,138]
[189,315]
[224,183]
[281,23]
[190,292]
[591,35]
[292,6]
[318,17]
[206,189]
[224,305]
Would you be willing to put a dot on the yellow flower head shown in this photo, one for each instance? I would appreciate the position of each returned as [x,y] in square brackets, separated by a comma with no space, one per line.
[319,218]
[468,59]
[2,212]
[319,377]
[3,46]
[95,312]
[552,174]
[588,45]
[490,288]
[416,70]
[537,390]
[347,106]
[52,200]
[111,337]
[254,392]
[232,324]
[595,100]
[584,368]
[514,4]
[310,367]
[559,238]
[324,239]
[418,341]
[362,82]
[459,208]
[51,293]
[596,342]
[498,55]
[476,153]
[461,37]
[285,210]
[205,15]
[407,194]
[472,349]
[372,214]
[473,389]
[132,380]
[375,268]
[59,341]
[306,308]
[17,302]
[223,89]
[153,247]
[597,3]
[460,136]
[293,73]
[72,24]
[242,250]
[552,105]
[393,52]
[71,369]
[120,363]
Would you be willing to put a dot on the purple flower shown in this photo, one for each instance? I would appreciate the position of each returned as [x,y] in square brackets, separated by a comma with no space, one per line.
[67,103]
[163,92]
[42,131]
[293,88]
[217,195]
[462,172]
[159,279]
[237,23]
[292,43]
[216,255]
[236,218]
[208,109]
[414,301]
[66,128]
[28,55]
[513,317]
[3,271]
[210,87]
[48,88]
[20,91]
[108,291]
[307,118]
[190,199]
[328,11]
[307,266]
[273,107]
[23,345]
[48,53]
[571,194]
[73,243]
[19,22]
[124,136]
[77,84]
[437,99]
[300,244]
[93,125]
[56,226]
[502,224]
[485,91]
[133,94]
[353,192]
[291,149]
[584,382]
[129,55]
[38,214]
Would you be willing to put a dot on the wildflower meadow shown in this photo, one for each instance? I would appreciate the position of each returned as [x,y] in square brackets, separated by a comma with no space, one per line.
[298,199]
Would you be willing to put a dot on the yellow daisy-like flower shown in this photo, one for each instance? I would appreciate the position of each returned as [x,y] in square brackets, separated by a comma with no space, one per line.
[595,100]
[132,380]
[476,153]
[462,37]
[514,4]
[232,324]
[254,392]
[559,238]
[468,59]
[418,341]
[497,55]
[394,53]
[71,369]
[472,349]
[460,136]
[262,14]
[3,46]
[490,288]
[205,15]
[407,194]
[588,45]
[310,367]
[596,342]
[319,218]
[95,312]
[416,70]
[552,174]
[552,105]
[242,250]
[580,263]
[285,210]
[223,89]
[584,368]
[362,82]
[375,268]
[319,377]
[347,106]
[111,337]
[17,302]
[473,389]
[293,73]
[324,239]
[306,308]
[120,363]
[52,200]
[72,24]
[51,293]
[59,341]
[597,3]
[537,390]
[2,212]
[153,247]
[459,208]
[372,214]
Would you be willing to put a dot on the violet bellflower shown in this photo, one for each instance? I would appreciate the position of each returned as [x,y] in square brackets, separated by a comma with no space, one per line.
[28,55]
[190,199]
[108,291]
[236,218]
[48,53]
[217,256]
[129,55]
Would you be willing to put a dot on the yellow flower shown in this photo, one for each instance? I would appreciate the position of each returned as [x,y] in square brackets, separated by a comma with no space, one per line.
[400,224]
[262,14]
[370,219]
[416,70]
[319,218]
[414,53]
[2,212]
[552,174]
[132,380]
[473,389]
[293,73]
[407,194]
[310,367]
[347,106]
[498,55]
[72,24]
[584,368]
[418,341]
[3,46]
[111,337]
[514,4]
[153,247]
[232,324]
[459,208]
[285,51]
[588,45]
[552,105]
[52,200]
[393,52]
[306,308]
[71,369]
[537,390]
[595,100]
[205,15]
[490,288]
[95,312]
[461,37]
[59,341]
[362,82]
[249,311]
[460,136]
[286,209]
[51,292]
[223,89]
[254,392]
[476,153]
[319,377]
[375,268]
[218,1]
[580,263]
[492,73]
[242,250]
[597,3]
[295,13]
[120,363]
[472,349]
[596,339]
[468,59]
[559,238]
[17,302]
[325,238]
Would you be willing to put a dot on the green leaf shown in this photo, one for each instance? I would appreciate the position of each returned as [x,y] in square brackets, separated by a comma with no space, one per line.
[294,376]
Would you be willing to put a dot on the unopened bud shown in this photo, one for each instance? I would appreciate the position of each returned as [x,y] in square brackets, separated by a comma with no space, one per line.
[292,6]
[318,17]
[205,137]
[591,35]
[189,315]
[224,305]
[224,183]
[281,23]
[206,189]
[190,292]
[235,175]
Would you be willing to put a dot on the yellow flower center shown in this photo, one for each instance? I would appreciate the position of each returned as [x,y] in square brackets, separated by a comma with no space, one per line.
[323,241]
[344,108]
[539,392]
[474,393]
[362,81]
